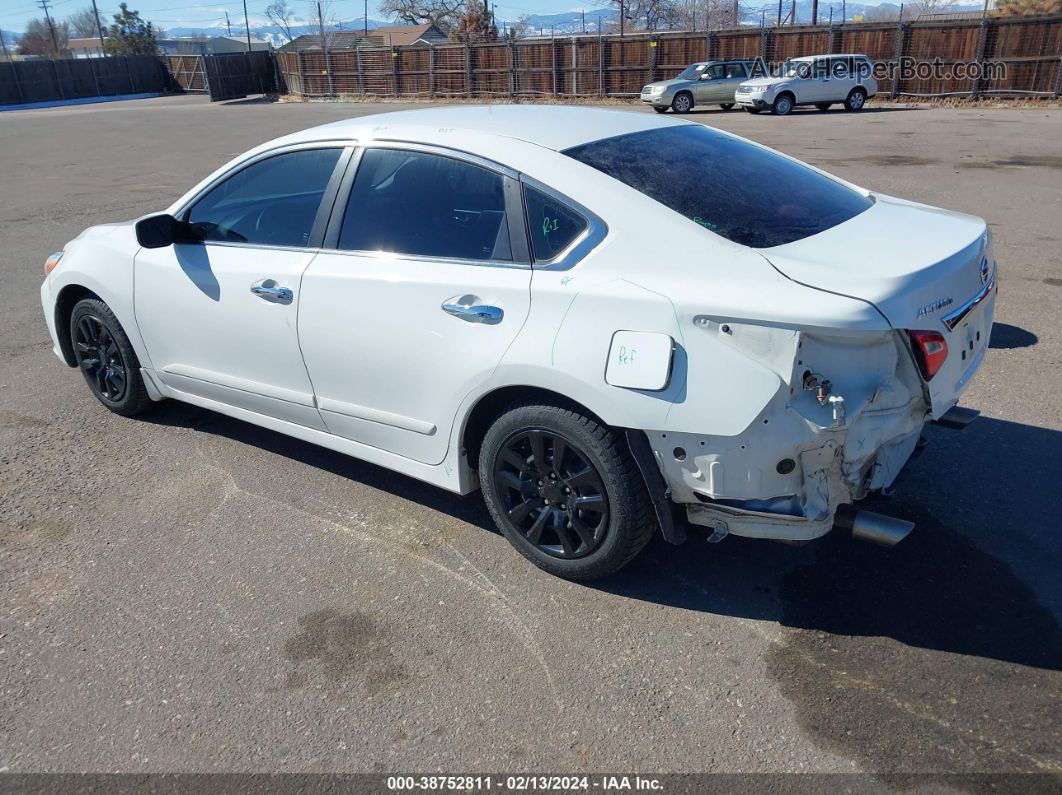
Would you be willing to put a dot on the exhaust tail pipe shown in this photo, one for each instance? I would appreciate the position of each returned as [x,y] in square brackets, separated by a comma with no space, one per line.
[877,528]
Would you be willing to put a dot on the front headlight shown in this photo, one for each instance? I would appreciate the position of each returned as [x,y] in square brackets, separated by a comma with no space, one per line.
[51,262]
[658,89]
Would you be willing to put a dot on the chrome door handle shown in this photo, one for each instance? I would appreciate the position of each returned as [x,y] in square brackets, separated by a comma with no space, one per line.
[467,307]
[269,290]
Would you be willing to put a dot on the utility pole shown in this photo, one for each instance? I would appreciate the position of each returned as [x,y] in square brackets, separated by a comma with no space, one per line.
[584,22]
[43,4]
[814,12]
[622,17]
[365,19]
[779,22]
[844,12]
[228,25]
[736,15]
[4,45]
[793,20]
[99,28]
[324,47]
[247,25]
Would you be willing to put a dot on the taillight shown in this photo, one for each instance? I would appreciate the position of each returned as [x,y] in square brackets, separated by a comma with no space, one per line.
[931,350]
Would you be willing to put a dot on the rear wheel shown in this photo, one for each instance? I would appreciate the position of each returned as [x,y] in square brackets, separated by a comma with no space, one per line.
[857,98]
[565,491]
[682,103]
[106,358]
[823,106]
[782,105]
[658,109]
[727,105]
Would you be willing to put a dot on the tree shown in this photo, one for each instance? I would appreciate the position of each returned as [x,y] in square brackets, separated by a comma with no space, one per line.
[443,14]
[282,16]
[37,40]
[475,23]
[85,24]
[130,35]
[1028,7]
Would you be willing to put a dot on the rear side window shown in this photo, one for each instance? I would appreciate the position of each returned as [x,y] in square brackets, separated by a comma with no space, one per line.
[746,194]
[735,70]
[271,202]
[553,225]
[428,205]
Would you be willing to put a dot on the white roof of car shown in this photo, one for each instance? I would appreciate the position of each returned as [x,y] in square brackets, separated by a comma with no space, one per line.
[830,55]
[551,126]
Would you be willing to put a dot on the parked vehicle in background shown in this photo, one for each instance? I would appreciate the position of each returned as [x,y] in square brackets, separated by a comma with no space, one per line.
[819,80]
[706,83]
[469,296]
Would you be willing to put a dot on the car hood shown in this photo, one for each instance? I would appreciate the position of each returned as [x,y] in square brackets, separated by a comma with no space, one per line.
[672,82]
[920,266]
[763,82]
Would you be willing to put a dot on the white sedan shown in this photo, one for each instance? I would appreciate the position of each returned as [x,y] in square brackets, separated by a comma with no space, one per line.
[609,322]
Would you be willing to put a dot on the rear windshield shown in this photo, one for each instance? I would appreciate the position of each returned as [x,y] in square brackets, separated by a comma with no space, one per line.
[744,193]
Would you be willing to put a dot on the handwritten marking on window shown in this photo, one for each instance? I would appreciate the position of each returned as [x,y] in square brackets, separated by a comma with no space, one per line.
[549,225]
[706,224]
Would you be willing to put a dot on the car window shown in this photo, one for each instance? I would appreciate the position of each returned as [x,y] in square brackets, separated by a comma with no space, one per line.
[271,202]
[715,71]
[734,188]
[428,205]
[691,72]
[735,70]
[839,67]
[553,225]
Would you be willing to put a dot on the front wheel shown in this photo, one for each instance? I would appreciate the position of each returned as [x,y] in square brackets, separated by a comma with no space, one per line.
[658,109]
[782,105]
[106,358]
[565,491]
[682,103]
[727,105]
[857,98]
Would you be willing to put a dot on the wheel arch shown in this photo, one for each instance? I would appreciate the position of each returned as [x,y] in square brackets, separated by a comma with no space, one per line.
[64,306]
[788,92]
[492,404]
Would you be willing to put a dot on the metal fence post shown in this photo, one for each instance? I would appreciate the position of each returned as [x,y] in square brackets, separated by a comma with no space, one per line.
[394,70]
[653,46]
[553,62]
[763,44]
[431,70]
[298,68]
[708,45]
[575,67]
[979,58]
[901,33]
[512,68]
[95,80]
[129,72]
[361,69]
[22,97]
[1058,80]
[600,65]
[58,82]
[468,69]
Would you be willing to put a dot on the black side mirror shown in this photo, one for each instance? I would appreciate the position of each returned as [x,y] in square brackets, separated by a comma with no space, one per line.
[159,231]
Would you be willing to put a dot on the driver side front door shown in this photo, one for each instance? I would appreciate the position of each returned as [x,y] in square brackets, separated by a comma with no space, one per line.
[219,317]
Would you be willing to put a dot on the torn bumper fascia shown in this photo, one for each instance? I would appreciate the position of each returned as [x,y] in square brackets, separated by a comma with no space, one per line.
[786,474]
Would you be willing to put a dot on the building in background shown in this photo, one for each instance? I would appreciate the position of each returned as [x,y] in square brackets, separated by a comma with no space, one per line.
[218,45]
[85,48]
[390,36]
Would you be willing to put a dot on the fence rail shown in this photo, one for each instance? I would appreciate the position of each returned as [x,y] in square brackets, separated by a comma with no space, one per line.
[1030,49]
[42,81]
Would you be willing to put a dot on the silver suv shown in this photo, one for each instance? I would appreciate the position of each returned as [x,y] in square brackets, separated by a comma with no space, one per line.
[706,83]
[819,80]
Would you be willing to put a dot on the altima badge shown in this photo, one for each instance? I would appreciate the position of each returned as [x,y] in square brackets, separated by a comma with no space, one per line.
[929,309]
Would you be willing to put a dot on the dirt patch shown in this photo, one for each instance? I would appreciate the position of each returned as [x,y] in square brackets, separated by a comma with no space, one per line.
[341,645]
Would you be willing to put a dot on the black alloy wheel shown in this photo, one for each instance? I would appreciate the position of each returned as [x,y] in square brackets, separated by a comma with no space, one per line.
[554,497]
[100,359]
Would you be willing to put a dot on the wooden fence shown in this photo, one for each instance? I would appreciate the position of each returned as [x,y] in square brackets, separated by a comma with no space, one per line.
[42,81]
[1028,49]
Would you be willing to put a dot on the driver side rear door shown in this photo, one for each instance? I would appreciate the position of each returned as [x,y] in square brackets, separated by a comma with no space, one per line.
[219,317]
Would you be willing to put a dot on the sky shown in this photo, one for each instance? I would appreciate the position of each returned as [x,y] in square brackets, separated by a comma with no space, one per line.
[14,14]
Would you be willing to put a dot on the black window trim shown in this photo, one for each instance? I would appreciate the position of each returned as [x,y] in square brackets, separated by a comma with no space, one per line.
[587,240]
[514,211]
[346,148]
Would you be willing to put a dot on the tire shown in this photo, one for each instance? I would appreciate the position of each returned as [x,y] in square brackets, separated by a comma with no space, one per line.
[782,105]
[857,98]
[682,103]
[823,106]
[544,522]
[659,109]
[114,377]
[727,105]
[753,111]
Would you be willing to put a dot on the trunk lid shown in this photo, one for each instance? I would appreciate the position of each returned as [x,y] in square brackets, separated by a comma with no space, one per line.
[922,267]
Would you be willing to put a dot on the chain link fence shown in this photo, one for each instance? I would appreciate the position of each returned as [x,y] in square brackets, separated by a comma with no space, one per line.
[1005,57]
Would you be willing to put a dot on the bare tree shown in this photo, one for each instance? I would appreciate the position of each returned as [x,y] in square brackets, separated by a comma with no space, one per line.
[282,16]
[443,14]
[37,40]
[85,24]
[476,23]
[1028,7]
[933,6]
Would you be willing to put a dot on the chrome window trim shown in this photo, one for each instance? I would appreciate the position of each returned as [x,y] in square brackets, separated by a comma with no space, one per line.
[341,144]
[596,230]
[331,244]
